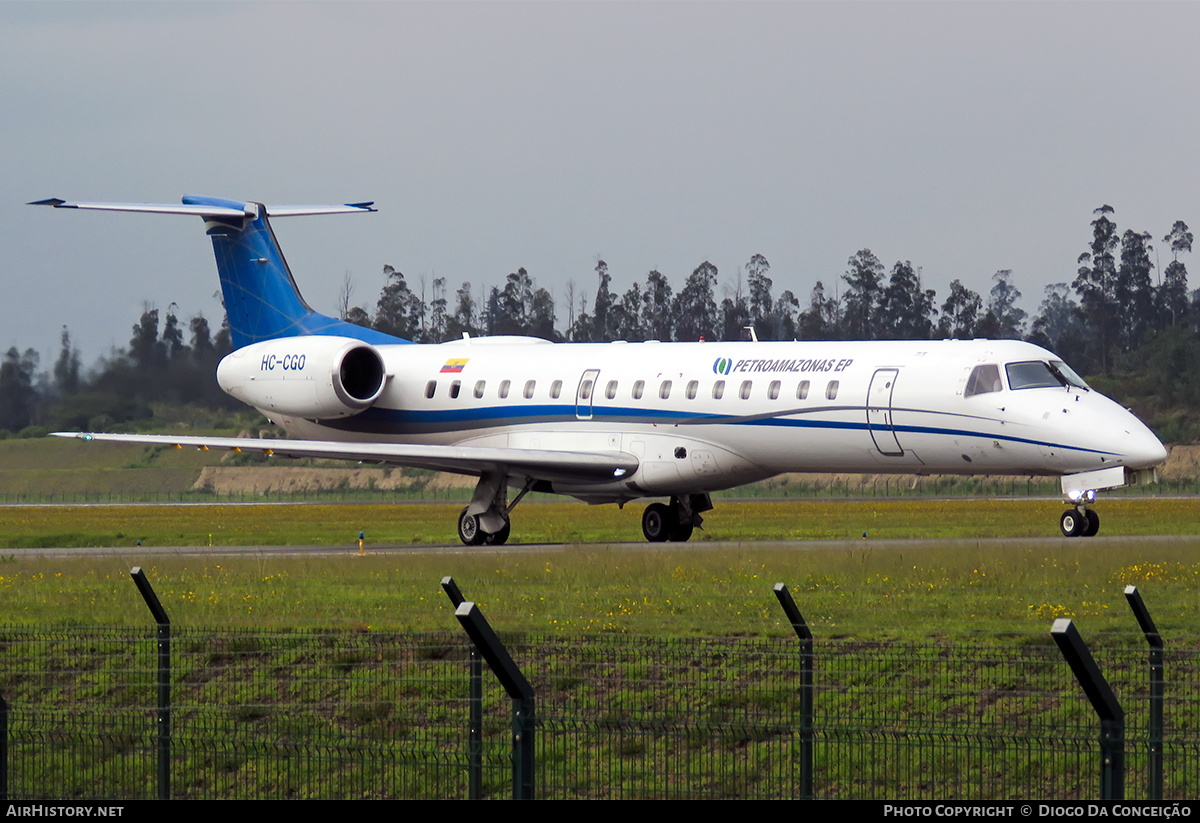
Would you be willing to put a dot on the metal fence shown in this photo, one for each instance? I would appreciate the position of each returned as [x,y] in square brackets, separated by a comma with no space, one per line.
[349,714]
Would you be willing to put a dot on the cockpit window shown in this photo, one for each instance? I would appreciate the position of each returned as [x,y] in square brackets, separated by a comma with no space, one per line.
[1067,372]
[983,379]
[1038,374]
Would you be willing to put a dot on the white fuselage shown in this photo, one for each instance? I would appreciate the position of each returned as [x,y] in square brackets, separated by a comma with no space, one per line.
[701,417]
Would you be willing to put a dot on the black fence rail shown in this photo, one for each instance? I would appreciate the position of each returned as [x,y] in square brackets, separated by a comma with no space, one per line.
[349,714]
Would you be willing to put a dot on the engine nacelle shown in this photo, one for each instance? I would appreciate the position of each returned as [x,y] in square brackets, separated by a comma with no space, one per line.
[313,377]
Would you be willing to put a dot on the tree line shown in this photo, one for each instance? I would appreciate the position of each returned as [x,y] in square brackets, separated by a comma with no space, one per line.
[1117,313]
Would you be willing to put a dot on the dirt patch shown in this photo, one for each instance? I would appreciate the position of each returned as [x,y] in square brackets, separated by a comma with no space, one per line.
[1183,463]
[234,480]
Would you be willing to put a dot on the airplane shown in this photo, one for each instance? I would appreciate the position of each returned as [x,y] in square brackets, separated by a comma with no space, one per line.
[616,422]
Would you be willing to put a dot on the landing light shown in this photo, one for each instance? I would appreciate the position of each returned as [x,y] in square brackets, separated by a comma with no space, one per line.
[618,473]
[1077,496]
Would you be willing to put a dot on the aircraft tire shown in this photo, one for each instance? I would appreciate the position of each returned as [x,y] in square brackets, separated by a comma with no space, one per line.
[498,538]
[1073,522]
[681,533]
[468,529]
[1093,523]
[655,525]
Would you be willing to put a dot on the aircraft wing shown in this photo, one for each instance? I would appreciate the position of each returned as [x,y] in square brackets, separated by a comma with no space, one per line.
[578,467]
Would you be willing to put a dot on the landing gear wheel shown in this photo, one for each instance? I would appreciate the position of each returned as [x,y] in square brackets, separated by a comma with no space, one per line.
[1073,522]
[680,532]
[655,523]
[1093,523]
[498,538]
[468,529]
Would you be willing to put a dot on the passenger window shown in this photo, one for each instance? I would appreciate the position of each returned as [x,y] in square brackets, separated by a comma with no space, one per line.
[718,390]
[611,390]
[664,391]
[746,386]
[984,380]
[585,391]
[773,390]
[454,387]
[638,388]
[802,390]
[430,388]
[692,387]
[555,389]
[479,388]
[529,387]
[504,384]
[831,390]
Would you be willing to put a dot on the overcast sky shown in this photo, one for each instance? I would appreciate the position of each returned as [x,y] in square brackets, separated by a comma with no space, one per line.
[965,137]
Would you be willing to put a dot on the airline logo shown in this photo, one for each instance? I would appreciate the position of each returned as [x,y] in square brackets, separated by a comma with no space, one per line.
[454,366]
[726,365]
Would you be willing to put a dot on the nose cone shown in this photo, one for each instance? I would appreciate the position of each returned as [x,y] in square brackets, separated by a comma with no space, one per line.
[1140,449]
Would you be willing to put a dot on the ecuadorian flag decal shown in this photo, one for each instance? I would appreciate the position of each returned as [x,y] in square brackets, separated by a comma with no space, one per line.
[454,366]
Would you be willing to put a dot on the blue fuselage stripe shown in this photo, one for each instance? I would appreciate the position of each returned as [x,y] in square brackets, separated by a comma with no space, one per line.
[406,421]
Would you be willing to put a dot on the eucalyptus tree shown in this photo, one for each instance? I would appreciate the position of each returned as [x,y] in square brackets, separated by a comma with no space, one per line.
[464,318]
[762,307]
[819,320]
[1135,290]
[735,312]
[960,312]
[1173,293]
[627,316]
[18,397]
[860,304]
[66,367]
[1007,318]
[658,302]
[1059,326]
[695,308]
[398,311]
[602,309]
[436,332]
[541,315]
[906,310]
[1096,285]
[786,315]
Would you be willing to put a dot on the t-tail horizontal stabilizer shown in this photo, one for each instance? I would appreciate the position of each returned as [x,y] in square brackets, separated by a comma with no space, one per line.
[260,295]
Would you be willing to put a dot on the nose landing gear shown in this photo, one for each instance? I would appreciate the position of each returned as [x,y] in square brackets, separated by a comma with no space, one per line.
[1079,522]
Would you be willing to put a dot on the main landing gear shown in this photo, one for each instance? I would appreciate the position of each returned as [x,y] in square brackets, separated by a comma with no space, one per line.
[485,521]
[676,521]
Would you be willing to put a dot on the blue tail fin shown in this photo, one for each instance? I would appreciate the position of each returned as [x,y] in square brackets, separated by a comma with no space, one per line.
[261,298]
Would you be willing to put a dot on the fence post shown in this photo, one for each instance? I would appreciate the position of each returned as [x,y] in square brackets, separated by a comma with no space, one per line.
[1104,702]
[164,680]
[475,731]
[518,690]
[806,688]
[1157,679]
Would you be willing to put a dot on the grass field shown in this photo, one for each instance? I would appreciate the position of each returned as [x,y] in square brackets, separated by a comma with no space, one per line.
[247,695]
[568,522]
[857,589]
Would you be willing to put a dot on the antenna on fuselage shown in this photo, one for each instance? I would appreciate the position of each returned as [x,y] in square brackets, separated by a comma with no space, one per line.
[753,334]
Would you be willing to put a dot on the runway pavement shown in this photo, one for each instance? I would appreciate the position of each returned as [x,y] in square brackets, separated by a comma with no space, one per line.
[1049,543]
